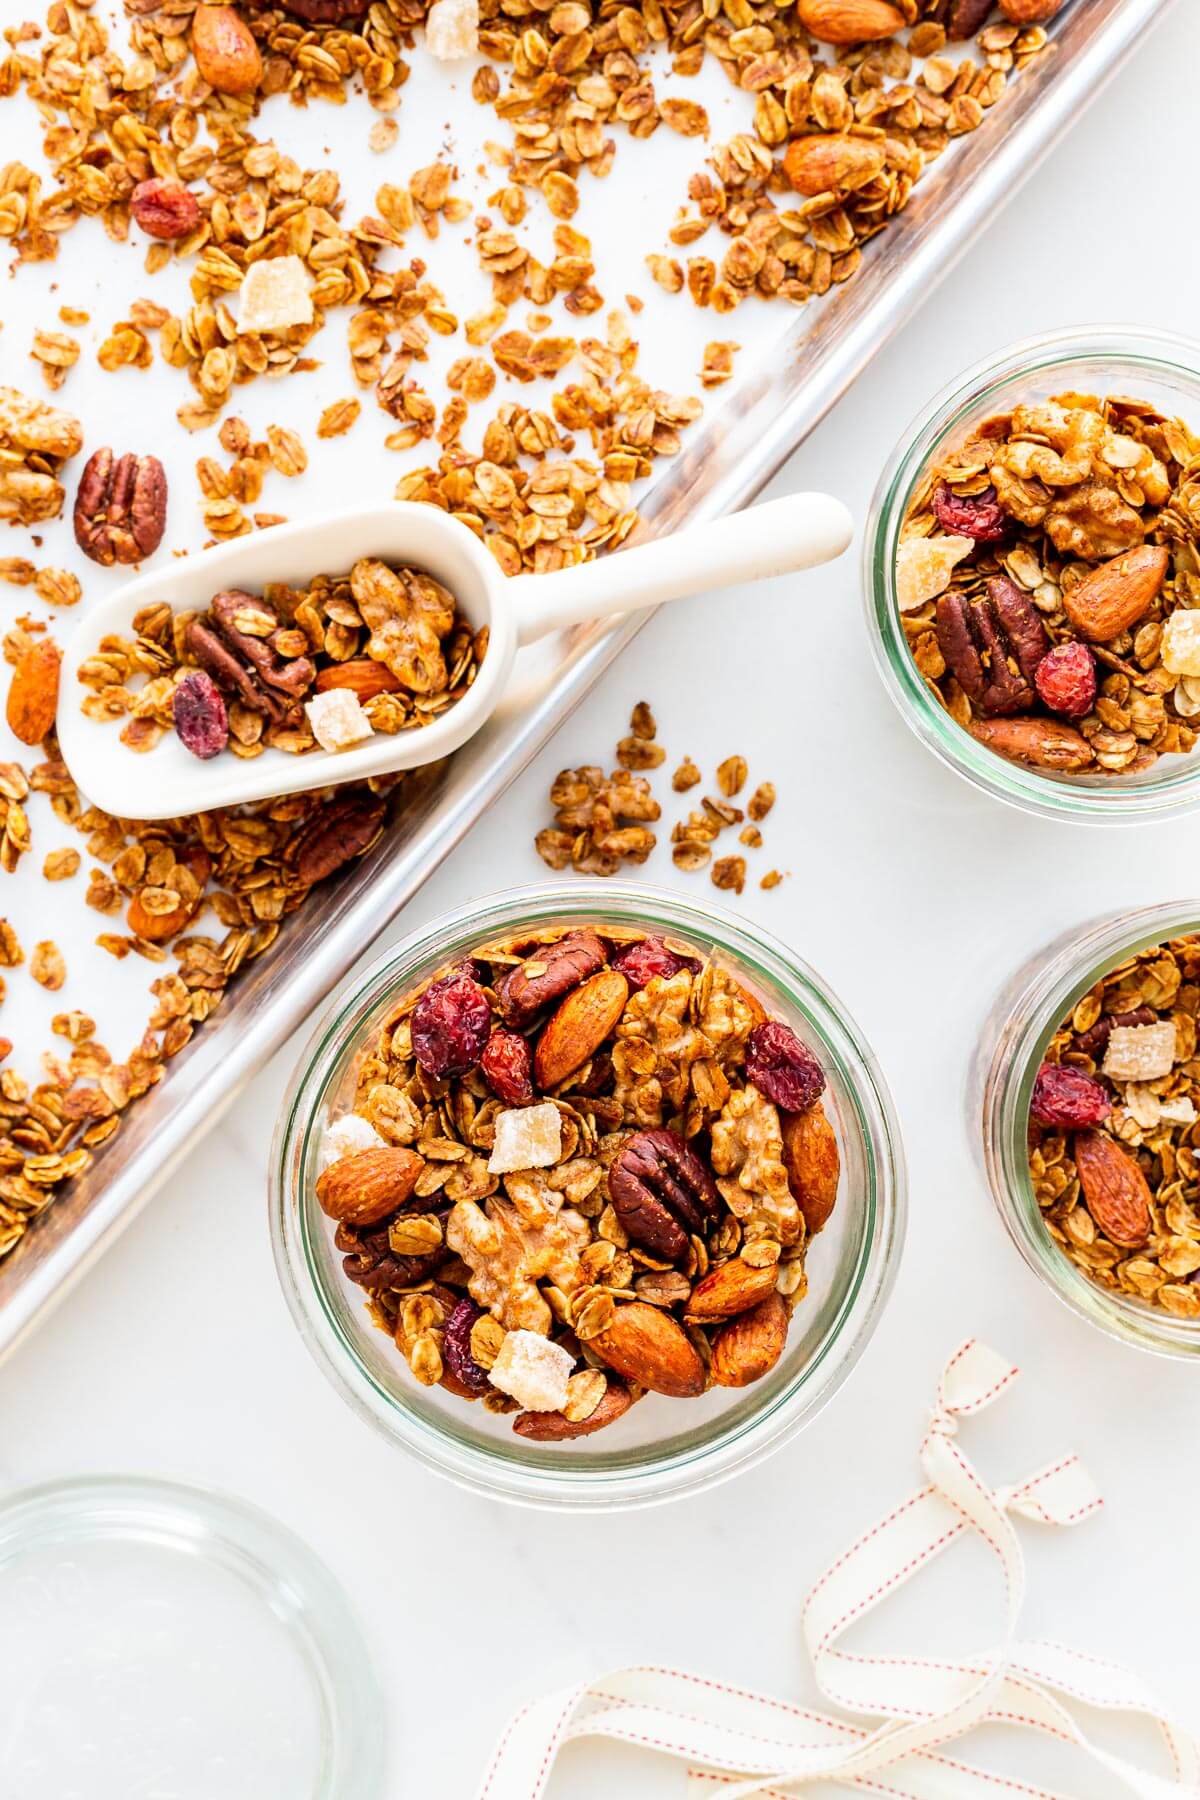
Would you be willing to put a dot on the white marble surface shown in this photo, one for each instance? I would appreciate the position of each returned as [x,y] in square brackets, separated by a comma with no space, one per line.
[914,897]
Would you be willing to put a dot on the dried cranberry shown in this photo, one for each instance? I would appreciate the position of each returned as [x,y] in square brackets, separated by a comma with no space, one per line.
[507,1067]
[199,714]
[782,1068]
[1067,1098]
[165,209]
[1066,680]
[641,962]
[451,1023]
[456,1347]
[977,516]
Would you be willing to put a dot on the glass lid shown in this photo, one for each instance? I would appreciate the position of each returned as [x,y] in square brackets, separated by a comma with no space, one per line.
[167,1643]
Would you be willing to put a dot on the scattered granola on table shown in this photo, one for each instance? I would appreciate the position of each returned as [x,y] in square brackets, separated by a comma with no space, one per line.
[1048,575]
[581,1165]
[1113,1130]
[324,667]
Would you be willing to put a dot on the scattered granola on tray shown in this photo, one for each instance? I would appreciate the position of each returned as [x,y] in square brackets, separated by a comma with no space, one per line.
[324,667]
[582,1165]
[1113,1130]
[1049,580]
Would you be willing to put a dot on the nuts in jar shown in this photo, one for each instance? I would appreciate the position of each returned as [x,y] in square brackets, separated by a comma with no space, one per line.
[1046,584]
[381,649]
[611,1209]
[1113,1126]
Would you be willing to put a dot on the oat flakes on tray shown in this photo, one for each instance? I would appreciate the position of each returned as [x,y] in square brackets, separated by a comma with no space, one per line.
[155,132]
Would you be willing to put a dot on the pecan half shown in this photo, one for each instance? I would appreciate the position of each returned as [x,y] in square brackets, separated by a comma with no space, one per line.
[1094,1041]
[992,645]
[245,665]
[548,972]
[662,1192]
[318,12]
[120,507]
[340,831]
[370,1261]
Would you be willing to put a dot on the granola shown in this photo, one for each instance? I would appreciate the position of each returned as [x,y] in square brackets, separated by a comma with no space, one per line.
[559,1185]
[1113,1130]
[380,649]
[1048,579]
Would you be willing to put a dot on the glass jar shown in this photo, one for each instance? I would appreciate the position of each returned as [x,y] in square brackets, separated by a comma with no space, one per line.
[1153,366]
[662,1447]
[1024,1018]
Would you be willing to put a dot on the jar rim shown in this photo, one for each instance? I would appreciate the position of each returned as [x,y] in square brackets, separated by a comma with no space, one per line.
[632,1478]
[1062,972]
[1102,800]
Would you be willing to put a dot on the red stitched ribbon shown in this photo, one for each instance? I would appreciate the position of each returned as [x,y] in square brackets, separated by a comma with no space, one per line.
[738,1744]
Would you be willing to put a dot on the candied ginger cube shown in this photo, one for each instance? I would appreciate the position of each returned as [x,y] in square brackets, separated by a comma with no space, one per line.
[1140,1052]
[452,29]
[533,1371]
[527,1137]
[274,294]
[1180,647]
[337,719]
[346,1135]
[924,567]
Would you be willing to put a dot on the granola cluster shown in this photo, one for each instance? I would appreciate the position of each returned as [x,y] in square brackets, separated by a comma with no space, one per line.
[382,649]
[602,822]
[1048,575]
[582,1165]
[1113,1130]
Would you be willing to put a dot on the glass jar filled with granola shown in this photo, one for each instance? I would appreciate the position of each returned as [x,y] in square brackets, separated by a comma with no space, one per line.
[587,1197]
[1085,1106]
[1032,575]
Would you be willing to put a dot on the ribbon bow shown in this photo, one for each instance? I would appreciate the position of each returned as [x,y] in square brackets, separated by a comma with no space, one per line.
[739,1744]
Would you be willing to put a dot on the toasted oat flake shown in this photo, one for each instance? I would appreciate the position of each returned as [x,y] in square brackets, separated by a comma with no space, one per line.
[60,865]
[47,965]
[337,418]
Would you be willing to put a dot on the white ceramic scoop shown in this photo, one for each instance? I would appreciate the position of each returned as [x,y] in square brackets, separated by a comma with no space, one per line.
[796,532]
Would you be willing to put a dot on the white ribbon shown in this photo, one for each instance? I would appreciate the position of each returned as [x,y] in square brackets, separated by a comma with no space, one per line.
[738,1744]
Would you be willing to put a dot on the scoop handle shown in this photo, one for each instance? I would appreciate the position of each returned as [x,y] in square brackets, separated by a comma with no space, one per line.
[797,531]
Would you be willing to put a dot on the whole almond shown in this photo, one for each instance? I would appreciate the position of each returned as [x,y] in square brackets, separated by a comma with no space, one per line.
[33,692]
[830,160]
[1115,595]
[730,1288]
[850,21]
[647,1346]
[362,675]
[364,1187]
[965,17]
[813,1164]
[576,1031]
[1030,12]
[1039,743]
[750,1345]
[553,1428]
[225,51]
[1114,1189]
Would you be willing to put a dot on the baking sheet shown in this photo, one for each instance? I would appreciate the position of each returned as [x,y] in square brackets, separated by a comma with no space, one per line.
[793,366]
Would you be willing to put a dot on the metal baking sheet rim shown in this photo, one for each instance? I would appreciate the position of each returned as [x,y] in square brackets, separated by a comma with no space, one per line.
[723,467]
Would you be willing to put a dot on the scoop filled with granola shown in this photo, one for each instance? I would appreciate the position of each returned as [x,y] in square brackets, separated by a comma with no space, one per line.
[585,1169]
[1043,577]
